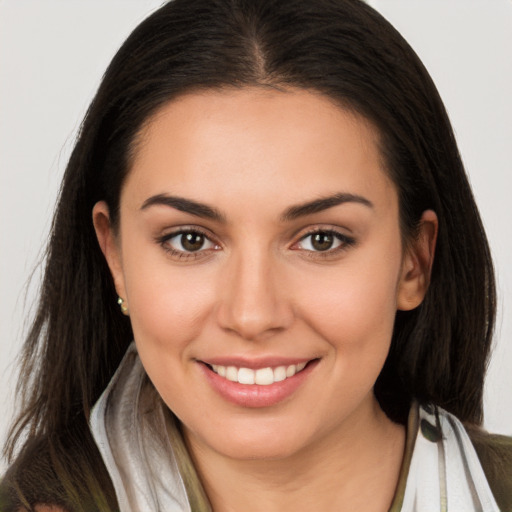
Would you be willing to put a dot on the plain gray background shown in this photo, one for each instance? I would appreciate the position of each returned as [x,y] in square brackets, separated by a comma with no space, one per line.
[52,56]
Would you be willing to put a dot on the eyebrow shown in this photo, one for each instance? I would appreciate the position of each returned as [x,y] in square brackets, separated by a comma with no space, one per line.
[185,205]
[293,212]
[324,203]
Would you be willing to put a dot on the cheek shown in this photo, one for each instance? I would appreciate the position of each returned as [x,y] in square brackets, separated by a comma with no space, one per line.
[167,303]
[354,313]
[168,308]
[354,305]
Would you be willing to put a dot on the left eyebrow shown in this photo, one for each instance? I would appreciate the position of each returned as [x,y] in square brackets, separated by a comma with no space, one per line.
[324,203]
[185,205]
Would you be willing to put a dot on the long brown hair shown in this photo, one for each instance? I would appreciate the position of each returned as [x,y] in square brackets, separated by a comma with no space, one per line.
[341,48]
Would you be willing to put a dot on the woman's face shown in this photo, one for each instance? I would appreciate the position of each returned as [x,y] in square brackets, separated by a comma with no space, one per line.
[259,242]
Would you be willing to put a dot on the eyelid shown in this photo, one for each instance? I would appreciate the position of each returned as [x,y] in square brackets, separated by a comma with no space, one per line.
[347,241]
[187,255]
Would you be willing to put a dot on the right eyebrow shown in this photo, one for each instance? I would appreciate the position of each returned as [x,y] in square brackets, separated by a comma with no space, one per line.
[185,205]
[324,203]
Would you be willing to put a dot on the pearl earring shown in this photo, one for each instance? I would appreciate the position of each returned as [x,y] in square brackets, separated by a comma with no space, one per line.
[122,305]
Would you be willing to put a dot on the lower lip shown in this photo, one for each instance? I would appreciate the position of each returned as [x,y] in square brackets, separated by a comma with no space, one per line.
[254,395]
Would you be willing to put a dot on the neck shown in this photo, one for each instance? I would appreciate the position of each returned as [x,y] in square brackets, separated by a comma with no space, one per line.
[338,472]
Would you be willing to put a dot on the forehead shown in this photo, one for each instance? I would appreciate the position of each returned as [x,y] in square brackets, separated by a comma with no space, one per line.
[279,146]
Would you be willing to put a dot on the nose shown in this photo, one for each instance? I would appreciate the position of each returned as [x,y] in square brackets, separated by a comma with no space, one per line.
[254,302]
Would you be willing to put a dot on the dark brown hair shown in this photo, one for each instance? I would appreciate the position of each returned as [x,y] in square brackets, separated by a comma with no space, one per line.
[341,48]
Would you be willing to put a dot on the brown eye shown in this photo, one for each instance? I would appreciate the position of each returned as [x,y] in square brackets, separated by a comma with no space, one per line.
[327,241]
[192,241]
[322,241]
[188,242]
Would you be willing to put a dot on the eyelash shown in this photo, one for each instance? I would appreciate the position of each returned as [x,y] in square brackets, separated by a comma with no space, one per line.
[184,255]
[345,243]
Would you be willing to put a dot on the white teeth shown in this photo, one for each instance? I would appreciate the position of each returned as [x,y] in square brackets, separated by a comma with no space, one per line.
[291,370]
[232,373]
[262,376]
[246,376]
[279,373]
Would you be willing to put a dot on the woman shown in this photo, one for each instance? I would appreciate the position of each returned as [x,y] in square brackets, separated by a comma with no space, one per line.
[255,198]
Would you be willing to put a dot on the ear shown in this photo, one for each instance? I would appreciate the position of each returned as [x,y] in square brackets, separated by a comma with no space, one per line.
[417,264]
[109,245]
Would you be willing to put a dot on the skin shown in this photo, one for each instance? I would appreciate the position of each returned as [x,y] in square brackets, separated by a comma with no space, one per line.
[259,288]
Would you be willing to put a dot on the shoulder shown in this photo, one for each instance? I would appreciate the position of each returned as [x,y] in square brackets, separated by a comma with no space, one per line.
[495,455]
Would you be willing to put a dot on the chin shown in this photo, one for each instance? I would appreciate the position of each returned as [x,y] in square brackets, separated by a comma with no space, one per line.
[261,442]
[277,448]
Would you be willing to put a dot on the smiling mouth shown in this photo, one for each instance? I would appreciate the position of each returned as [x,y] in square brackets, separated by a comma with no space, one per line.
[262,376]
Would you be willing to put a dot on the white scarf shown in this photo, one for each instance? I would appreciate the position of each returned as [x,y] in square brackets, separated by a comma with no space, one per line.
[128,426]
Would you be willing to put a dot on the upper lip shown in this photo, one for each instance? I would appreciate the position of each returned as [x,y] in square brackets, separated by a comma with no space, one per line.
[255,363]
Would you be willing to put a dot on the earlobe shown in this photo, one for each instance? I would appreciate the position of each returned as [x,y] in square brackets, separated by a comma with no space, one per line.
[109,245]
[417,264]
